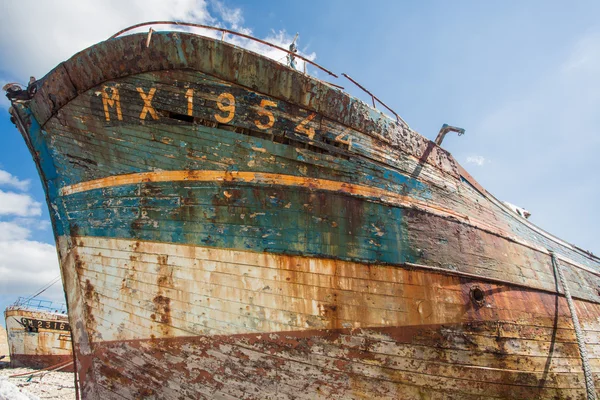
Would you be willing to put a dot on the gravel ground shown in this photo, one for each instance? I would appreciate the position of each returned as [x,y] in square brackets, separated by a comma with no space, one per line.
[47,385]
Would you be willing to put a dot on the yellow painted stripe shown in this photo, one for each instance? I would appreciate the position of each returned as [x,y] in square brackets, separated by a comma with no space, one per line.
[262,178]
[225,176]
[265,178]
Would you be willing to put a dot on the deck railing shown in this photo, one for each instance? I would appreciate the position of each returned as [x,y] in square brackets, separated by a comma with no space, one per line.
[245,36]
[223,31]
[39,304]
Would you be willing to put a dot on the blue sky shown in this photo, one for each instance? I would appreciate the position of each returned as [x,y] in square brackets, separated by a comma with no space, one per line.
[521,78]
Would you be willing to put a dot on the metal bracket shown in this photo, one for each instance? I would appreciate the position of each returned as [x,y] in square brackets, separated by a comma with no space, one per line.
[445,129]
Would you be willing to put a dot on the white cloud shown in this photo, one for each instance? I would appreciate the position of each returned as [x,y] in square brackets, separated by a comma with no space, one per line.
[25,266]
[63,28]
[21,205]
[477,160]
[232,16]
[7,178]
[31,223]
[13,231]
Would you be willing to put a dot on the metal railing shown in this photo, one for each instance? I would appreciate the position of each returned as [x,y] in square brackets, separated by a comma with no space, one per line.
[222,30]
[39,304]
[243,35]
[375,98]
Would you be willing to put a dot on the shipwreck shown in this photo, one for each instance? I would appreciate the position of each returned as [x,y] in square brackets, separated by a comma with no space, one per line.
[231,227]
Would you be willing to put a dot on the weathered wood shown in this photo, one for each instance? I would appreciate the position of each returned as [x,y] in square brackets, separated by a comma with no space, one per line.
[231,228]
[36,338]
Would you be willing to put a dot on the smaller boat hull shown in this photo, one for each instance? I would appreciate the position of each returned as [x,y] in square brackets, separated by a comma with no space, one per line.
[38,339]
[40,361]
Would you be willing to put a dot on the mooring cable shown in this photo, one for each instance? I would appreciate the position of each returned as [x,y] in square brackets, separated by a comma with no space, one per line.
[587,370]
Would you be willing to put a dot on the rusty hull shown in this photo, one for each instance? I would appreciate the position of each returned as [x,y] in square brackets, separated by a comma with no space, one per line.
[231,228]
[37,339]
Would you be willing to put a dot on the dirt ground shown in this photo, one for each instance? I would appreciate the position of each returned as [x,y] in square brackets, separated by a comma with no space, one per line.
[46,385]
[49,385]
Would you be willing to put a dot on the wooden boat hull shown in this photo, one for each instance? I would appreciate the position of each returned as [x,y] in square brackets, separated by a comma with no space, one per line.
[38,339]
[231,228]
[236,324]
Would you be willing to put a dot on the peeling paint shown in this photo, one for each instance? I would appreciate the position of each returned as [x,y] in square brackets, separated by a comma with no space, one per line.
[231,228]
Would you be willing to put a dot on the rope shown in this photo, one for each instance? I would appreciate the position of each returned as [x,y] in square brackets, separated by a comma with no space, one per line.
[55,367]
[587,371]
[44,288]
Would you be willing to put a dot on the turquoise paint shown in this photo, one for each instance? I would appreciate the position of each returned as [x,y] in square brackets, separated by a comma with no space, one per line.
[205,222]
[44,160]
[285,220]
[143,150]
[215,145]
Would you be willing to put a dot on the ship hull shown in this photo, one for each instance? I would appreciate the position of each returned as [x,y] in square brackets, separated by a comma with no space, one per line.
[38,339]
[171,320]
[230,228]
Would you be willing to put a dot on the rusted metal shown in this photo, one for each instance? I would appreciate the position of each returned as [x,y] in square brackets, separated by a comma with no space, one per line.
[149,37]
[334,85]
[223,31]
[444,130]
[373,98]
[229,227]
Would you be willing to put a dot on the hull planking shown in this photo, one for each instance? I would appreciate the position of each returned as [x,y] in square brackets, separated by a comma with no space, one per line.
[37,339]
[231,228]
